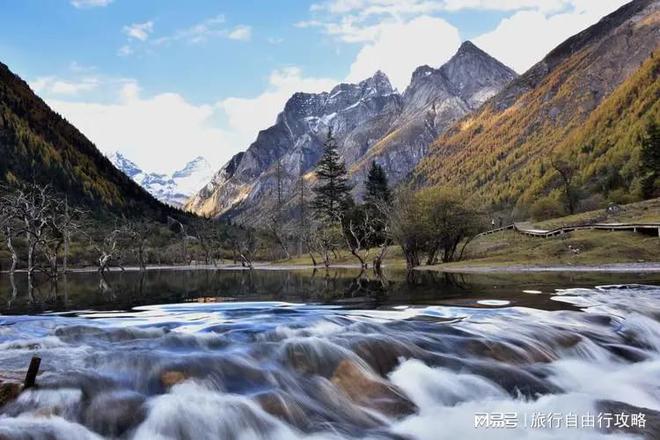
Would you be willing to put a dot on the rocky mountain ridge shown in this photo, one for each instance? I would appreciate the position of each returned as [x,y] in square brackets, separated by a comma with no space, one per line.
[370,121]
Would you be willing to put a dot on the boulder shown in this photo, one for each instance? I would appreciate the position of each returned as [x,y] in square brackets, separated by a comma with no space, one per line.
[170,378]
[367,389]
[115,413]
[282,406]
[9,392]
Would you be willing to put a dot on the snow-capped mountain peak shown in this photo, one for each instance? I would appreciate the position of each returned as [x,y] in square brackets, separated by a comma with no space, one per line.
[126,166]
[172,189]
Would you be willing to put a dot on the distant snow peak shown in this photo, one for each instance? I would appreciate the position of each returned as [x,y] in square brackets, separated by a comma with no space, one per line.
[126,166]
[174,189]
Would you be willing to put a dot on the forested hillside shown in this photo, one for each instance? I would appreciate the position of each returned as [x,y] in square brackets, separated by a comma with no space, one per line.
[39,146]
[576,120]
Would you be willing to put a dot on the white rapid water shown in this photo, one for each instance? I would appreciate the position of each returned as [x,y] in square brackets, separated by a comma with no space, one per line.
[293,371]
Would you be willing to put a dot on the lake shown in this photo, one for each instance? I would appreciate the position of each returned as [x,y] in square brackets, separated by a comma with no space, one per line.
[265,354]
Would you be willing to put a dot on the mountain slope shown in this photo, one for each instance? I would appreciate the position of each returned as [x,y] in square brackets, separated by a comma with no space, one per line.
[583,103]
[39,146]
[369,120]
[435,100]
[172,189]
[357,114]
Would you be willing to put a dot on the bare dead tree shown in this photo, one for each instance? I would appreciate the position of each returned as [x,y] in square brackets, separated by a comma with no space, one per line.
[323,240]
[280,232]
[243,243]
[358,231]
[138,234]
[383,228]
[32,209]
[50,248]
[107,248]
[277,226]
[63,222]
[8,230]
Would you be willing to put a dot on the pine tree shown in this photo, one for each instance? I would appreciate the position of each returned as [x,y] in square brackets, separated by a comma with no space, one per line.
[377,189]
[332,193]
[650,161]
[377,199]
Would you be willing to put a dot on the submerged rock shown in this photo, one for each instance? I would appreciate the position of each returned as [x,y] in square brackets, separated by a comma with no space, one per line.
[113,414]
[170,378]
[368,390]
[9,391]
[282,406]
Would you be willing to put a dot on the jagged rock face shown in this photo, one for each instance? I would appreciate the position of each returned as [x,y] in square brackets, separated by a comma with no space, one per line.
[369,120]
[433,102]
[475,75]
[358,115]
[174,189]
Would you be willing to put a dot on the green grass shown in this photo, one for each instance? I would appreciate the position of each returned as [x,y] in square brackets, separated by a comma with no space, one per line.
[641,212]
[576,248]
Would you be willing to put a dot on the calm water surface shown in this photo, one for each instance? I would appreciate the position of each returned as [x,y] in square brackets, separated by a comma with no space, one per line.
[298,355]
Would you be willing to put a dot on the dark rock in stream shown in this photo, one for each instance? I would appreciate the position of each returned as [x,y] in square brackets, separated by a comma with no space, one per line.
[383,353]
[9,391]
[172,377]
[284,407]
[114,414]
[370,391]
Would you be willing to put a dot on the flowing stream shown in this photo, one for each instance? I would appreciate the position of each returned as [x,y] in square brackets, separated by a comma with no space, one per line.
[312,370]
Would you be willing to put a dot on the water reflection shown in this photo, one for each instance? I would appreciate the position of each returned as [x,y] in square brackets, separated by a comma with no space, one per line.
[351,288]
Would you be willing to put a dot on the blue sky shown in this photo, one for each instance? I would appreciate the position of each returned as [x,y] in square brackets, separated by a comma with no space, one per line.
[166,80]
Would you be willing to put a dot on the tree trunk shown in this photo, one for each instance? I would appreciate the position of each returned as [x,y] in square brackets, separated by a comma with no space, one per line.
[378,259]
[356,254]
[433,253]
[14,256]
[65,257]
[377,264]
[412,259]
[460,255]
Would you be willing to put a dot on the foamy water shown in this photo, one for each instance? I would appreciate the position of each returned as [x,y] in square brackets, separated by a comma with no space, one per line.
[276,370]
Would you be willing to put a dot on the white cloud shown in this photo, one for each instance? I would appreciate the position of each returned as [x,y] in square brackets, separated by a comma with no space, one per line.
[527,36]
[366,8]
[507,5]
[163,132]
[398,35]
[139,31]
[399,48]
[403,8]
[56,86]
[241,33]
[197,33]
[247,116]
[82,4]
